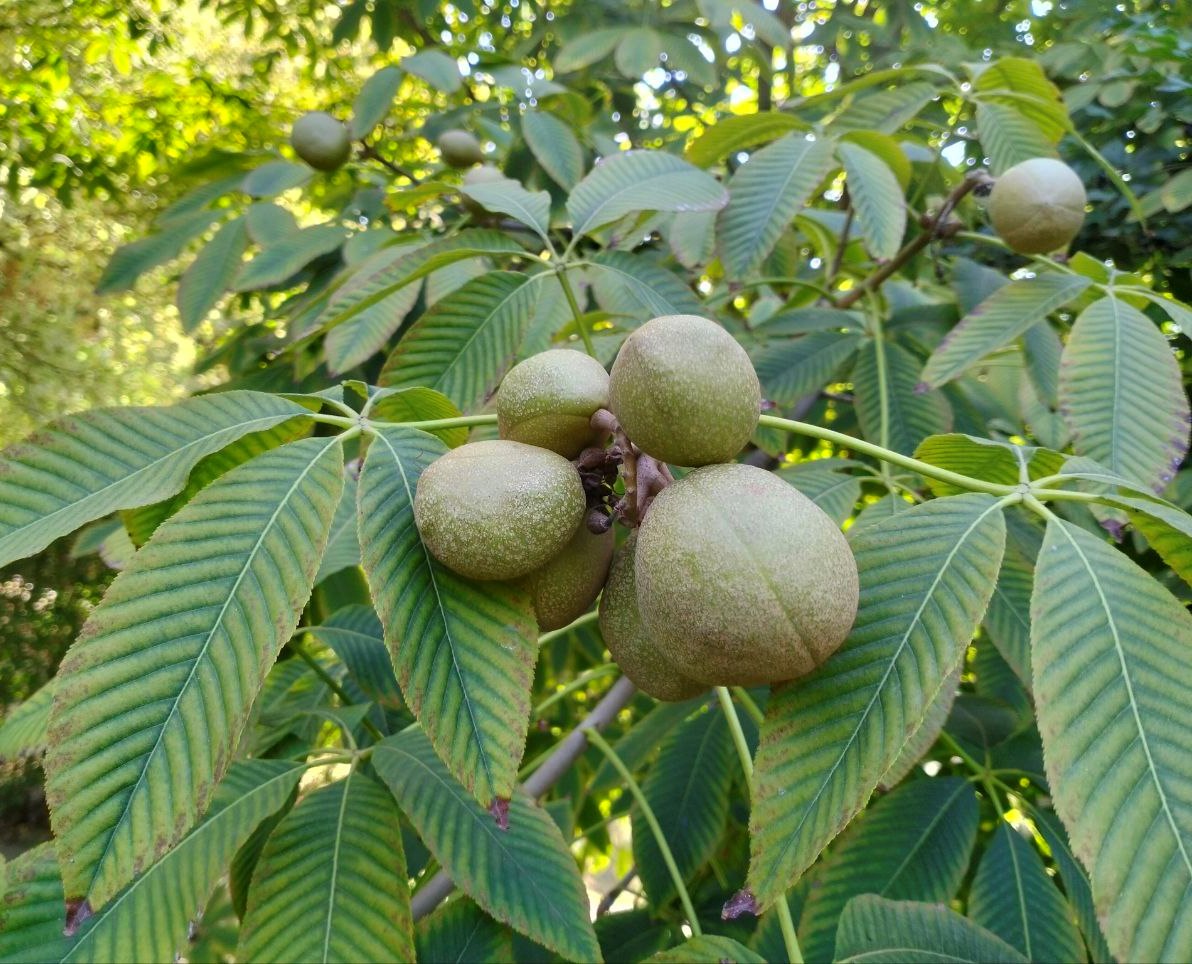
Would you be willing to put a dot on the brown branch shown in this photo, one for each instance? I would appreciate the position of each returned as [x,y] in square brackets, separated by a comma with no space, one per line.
[934,226]
[570,749]
[607,901]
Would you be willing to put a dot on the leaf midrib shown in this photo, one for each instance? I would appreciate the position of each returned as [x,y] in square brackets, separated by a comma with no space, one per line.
[337,843]
[199,657]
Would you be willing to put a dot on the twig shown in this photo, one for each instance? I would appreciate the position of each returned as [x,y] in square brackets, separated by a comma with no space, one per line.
[934,226]
[570,749]
[607,901]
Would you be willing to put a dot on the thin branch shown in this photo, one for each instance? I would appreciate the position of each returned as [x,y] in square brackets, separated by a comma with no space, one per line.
[607,901]
[570,749]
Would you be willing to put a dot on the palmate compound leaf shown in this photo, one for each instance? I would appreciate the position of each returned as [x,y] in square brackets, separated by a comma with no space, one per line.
[913,844]
[149,919]
[880,931]
[152,698]
[85,466]
[1012,896]
[524,876]
[688,790]
[464,651]
[1111,654]
[331,881]
[1122,394]
[926,578]
[641,181]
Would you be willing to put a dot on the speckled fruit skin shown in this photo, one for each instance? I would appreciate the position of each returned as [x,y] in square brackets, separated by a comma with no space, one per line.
[626,637]
[320,140]
[459,148]
[742,579]
[549,400]
[498,510]
[684,391]
[1037,206]
[564,588]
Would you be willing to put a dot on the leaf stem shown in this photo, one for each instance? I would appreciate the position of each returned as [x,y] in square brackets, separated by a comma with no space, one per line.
[751,708]
[571,626]
[569,292]
[655,828]
[785,922]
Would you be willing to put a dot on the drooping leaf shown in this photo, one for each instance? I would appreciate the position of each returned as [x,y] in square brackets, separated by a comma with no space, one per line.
[268,223]
[628,284]
[464,651]
[373,102]
[149,920]
[997,321]
[688,790]
[590,47]
[1111,651]
[638,52]
[132,260]
[926,577]
[640,181]
[436,67]
[507,196]
[881,931]
[709,949]
[1076,883]
[461,931]
[740,132]
[1013,897]
[1122,394]
[275,177]
[886,111]
[765,195]
[909,417]
[914,844]
[331,881]
[286,256]
[355,634]
[464,345]
[877,199]
[791,369]
[343,543]
[1009,137]
[183,639]
[554,146]
[924,737]
[1002,462]
[357,340]
[211,273]
[1008,621]
[524,876]
[642,741]
[827,484]
[86,466]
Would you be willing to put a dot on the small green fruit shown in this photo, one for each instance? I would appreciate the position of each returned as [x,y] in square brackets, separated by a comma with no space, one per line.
[684,391]
[742,579]
[498,510]
[320,140]
[1037,206]
[564,588]
[549,400]
[459,148]
[631,645]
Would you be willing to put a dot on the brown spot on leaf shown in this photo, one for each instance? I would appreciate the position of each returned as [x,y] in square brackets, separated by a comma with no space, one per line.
[742,902]
[499,808]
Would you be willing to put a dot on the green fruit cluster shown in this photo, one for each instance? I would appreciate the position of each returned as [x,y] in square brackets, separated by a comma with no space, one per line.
[733,577]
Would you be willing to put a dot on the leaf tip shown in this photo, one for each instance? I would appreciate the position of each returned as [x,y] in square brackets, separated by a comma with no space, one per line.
[742,902]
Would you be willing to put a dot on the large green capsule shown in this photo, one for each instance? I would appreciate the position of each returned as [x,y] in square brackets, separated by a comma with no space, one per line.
[549,400]
[567,584]
[1037,206]
[320,140]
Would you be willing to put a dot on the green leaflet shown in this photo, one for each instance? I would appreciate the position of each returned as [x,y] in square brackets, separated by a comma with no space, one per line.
[926,577]
[524,876]
[152,698]
[86,466]
[1111,654]
[464,651]
[461,931]
[331,881]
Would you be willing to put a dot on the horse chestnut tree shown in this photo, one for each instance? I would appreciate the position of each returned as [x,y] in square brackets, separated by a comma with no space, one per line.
[773,499]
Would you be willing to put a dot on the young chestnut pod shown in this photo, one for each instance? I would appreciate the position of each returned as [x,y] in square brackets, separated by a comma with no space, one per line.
[459,148]
[320,140]
[567,584]
[549,400]
[1037,206]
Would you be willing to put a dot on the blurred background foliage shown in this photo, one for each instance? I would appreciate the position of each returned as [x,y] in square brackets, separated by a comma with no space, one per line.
[111,112]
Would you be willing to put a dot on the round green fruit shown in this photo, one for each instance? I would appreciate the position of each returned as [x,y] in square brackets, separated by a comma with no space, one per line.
[459,148]
[684,391]
[549,400]
[564,588]
[320,140]
[1037,206]
[742,579]
[631,645]
[498,510]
